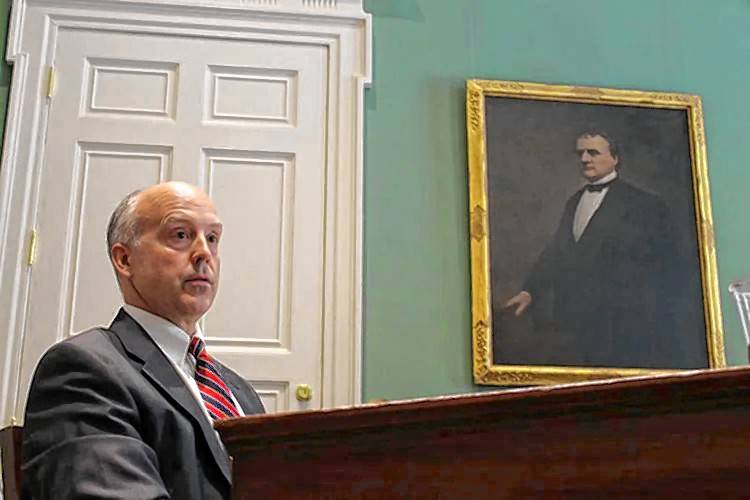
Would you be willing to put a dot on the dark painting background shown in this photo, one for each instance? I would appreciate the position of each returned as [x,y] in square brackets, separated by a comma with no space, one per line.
[532,170]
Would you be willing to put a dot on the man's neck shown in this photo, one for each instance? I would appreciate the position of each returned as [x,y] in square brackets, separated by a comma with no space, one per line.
[189,327]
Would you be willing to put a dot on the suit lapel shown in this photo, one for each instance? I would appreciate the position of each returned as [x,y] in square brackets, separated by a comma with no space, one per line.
[161,373]
[611,208]
[237,391]
[240,392]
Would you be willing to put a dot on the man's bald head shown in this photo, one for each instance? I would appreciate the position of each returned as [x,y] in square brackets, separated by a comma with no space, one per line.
[126,220]
[154,200]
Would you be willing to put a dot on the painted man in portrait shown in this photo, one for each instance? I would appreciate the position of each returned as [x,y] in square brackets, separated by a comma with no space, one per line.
[606,283]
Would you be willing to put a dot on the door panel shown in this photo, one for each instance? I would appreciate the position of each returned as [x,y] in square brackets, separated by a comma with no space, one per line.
[108,172]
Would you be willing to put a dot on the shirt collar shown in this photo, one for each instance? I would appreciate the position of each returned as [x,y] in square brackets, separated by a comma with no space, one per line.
[170,338]
[607,178]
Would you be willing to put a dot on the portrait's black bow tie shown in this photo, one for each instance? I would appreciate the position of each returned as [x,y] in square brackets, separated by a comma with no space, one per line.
[598,187]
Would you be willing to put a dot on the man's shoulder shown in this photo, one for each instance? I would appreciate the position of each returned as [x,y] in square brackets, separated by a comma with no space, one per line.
[635,192]
[92,338]
[98,342]
[94,354]
[633,187]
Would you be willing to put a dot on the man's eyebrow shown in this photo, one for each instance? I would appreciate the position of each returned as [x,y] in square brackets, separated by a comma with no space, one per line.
[179,219]
[174,219]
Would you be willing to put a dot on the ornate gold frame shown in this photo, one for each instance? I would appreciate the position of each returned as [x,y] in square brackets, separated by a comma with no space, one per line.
[485,372]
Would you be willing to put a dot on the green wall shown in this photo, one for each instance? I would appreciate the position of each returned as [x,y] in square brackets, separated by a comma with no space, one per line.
[417,284]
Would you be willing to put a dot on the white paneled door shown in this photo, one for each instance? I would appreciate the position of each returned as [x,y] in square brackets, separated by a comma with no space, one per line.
[244,119]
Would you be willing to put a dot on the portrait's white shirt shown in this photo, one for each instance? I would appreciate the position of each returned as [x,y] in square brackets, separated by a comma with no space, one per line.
[173,341]
[588,205]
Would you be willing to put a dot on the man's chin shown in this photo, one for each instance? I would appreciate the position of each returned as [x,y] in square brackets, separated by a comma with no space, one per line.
[197,306]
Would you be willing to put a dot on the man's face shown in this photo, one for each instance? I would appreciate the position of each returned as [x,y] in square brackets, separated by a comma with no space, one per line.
[596,159]
[173,268]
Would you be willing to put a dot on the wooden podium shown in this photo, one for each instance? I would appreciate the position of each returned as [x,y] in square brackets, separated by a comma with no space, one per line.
[684,435]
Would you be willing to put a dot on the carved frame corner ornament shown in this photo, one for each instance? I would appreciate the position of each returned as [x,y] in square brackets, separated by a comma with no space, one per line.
[485,370]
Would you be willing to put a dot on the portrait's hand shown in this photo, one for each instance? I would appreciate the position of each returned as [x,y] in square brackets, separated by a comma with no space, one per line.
[521,302]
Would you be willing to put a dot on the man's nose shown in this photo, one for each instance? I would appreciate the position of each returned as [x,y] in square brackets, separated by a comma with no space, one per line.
[201,250]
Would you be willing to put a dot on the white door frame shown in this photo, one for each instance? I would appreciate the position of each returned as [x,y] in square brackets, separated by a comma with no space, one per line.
[341,26]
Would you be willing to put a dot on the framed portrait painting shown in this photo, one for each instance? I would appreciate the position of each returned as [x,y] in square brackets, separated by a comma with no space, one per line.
[592,250]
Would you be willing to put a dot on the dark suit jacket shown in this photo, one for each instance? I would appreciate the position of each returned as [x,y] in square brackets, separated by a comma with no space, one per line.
[109,417]
[612,294]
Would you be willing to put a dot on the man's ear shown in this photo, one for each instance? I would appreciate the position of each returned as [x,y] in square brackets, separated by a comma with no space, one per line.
[121,259]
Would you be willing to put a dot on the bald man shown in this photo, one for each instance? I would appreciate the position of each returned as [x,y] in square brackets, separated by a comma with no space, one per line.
[128,411]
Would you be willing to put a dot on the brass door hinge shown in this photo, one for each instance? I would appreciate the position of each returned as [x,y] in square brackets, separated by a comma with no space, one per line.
[51,81]
[33,238]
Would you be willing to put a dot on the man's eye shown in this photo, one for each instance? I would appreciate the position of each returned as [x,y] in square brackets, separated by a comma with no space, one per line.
[181,235]
[212,238]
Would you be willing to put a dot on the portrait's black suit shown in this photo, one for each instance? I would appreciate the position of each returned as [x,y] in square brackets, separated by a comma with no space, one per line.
[611,296]
[109,417]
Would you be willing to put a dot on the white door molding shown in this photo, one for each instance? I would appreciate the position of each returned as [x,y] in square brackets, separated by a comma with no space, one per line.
[340,25]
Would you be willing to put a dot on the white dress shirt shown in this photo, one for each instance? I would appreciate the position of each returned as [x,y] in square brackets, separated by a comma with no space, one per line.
[588,205]
[173,341]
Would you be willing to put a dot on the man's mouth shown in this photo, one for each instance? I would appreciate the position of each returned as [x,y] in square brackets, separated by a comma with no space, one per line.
[198,280]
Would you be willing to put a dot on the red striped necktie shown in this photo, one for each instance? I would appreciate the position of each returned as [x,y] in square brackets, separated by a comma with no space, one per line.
[216,395]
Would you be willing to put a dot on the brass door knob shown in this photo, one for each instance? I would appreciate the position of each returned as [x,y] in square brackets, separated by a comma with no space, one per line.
[304,392]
